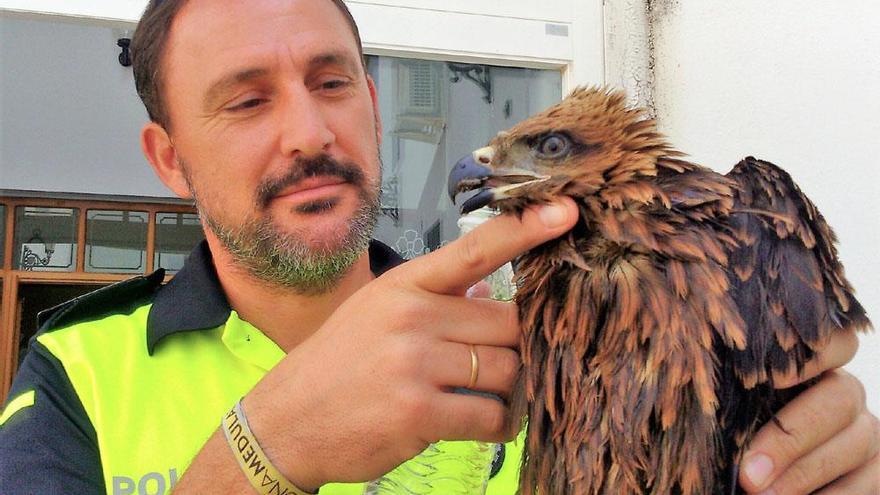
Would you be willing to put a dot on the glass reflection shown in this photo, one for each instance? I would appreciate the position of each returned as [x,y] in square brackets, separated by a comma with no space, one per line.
[116,241]
[45,239]
[433,113]
[176,235]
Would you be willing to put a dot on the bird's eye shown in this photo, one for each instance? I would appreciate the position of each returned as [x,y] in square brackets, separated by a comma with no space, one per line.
[553,145]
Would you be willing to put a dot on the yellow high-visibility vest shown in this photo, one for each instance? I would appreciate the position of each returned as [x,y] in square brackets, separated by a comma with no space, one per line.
[153,413]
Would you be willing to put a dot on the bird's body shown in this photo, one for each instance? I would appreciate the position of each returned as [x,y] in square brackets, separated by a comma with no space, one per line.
[651,332]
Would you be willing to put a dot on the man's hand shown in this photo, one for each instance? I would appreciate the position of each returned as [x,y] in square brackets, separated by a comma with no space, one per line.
[831,441]
[373,386]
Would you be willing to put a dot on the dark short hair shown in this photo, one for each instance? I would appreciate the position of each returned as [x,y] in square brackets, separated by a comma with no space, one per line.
[148,46]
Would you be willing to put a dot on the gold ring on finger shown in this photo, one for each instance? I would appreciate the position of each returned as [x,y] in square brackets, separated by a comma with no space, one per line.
[475,367]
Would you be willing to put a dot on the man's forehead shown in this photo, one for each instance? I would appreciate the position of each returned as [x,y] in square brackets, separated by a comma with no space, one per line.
[212,41]
[206,28]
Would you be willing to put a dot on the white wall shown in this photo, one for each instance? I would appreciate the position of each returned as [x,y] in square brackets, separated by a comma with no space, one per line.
[69,115]
[551,33]
[795,82]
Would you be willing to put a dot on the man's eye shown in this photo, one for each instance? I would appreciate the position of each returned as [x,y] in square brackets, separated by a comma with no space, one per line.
[247,104]
[335,84]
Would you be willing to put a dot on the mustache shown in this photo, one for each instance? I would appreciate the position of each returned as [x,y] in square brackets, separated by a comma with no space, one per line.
[303,168]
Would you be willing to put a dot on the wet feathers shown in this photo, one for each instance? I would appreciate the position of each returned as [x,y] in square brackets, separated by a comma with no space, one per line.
[652,330]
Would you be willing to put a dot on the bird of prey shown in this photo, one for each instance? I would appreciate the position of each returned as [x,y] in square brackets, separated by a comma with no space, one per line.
[652,331]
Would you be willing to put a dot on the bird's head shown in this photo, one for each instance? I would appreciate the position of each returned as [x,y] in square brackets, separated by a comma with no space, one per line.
[587,145]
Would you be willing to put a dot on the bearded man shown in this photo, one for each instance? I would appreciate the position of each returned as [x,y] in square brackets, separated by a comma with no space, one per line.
[324,362]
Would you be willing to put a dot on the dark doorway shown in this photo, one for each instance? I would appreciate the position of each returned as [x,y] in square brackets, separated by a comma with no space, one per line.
[34,298]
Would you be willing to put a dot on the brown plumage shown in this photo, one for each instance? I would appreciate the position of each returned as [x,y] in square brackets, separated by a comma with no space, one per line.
[652,330]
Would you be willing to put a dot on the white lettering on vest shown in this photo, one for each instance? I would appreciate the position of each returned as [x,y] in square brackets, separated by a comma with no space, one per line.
[149,484]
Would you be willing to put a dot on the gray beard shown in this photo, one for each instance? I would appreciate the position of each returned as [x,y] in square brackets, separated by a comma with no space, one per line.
[285,260]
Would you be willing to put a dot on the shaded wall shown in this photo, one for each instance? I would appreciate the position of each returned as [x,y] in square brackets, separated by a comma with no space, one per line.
[795,83]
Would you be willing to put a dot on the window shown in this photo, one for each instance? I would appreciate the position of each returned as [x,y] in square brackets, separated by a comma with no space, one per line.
[176,235]
[94,241]
[116,241]
[433,113]
[45,239]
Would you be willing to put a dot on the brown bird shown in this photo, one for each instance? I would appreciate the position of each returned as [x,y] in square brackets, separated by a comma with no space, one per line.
[652,331]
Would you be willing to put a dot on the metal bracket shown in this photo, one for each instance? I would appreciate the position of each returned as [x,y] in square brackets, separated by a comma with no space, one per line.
[478,74]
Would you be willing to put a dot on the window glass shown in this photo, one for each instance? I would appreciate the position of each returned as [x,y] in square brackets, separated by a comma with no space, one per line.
[434,113]
[176,235]
[116,241]
[45,239]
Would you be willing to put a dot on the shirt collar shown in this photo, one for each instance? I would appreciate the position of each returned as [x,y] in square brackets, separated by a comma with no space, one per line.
[194,300]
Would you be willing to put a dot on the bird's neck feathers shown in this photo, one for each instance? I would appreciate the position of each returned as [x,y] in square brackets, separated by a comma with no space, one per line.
[627,200]
[646,151]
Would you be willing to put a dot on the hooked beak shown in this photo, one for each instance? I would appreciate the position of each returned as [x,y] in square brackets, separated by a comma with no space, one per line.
[470,173]
[467,175]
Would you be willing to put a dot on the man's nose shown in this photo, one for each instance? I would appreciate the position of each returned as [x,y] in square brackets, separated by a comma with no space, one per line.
[304,126]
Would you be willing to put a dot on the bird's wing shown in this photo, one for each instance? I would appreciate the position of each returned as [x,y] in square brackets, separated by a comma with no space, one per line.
[785,276]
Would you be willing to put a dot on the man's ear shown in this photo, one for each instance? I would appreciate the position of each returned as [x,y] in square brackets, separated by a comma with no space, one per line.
[159,151]
[375,98]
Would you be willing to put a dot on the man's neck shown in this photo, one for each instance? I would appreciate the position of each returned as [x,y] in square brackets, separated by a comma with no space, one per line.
[285,317]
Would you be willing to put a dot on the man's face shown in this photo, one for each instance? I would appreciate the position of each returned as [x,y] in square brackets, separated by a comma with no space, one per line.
[274,122]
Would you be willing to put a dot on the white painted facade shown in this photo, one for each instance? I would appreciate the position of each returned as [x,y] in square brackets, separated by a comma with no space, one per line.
[566,34]
[796,83]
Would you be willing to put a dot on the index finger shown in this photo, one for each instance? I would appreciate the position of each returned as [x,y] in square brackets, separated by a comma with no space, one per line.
[461,263]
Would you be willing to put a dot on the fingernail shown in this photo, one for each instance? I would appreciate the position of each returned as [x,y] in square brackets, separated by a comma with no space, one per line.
[768,492]
[758,469]
[552,215]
